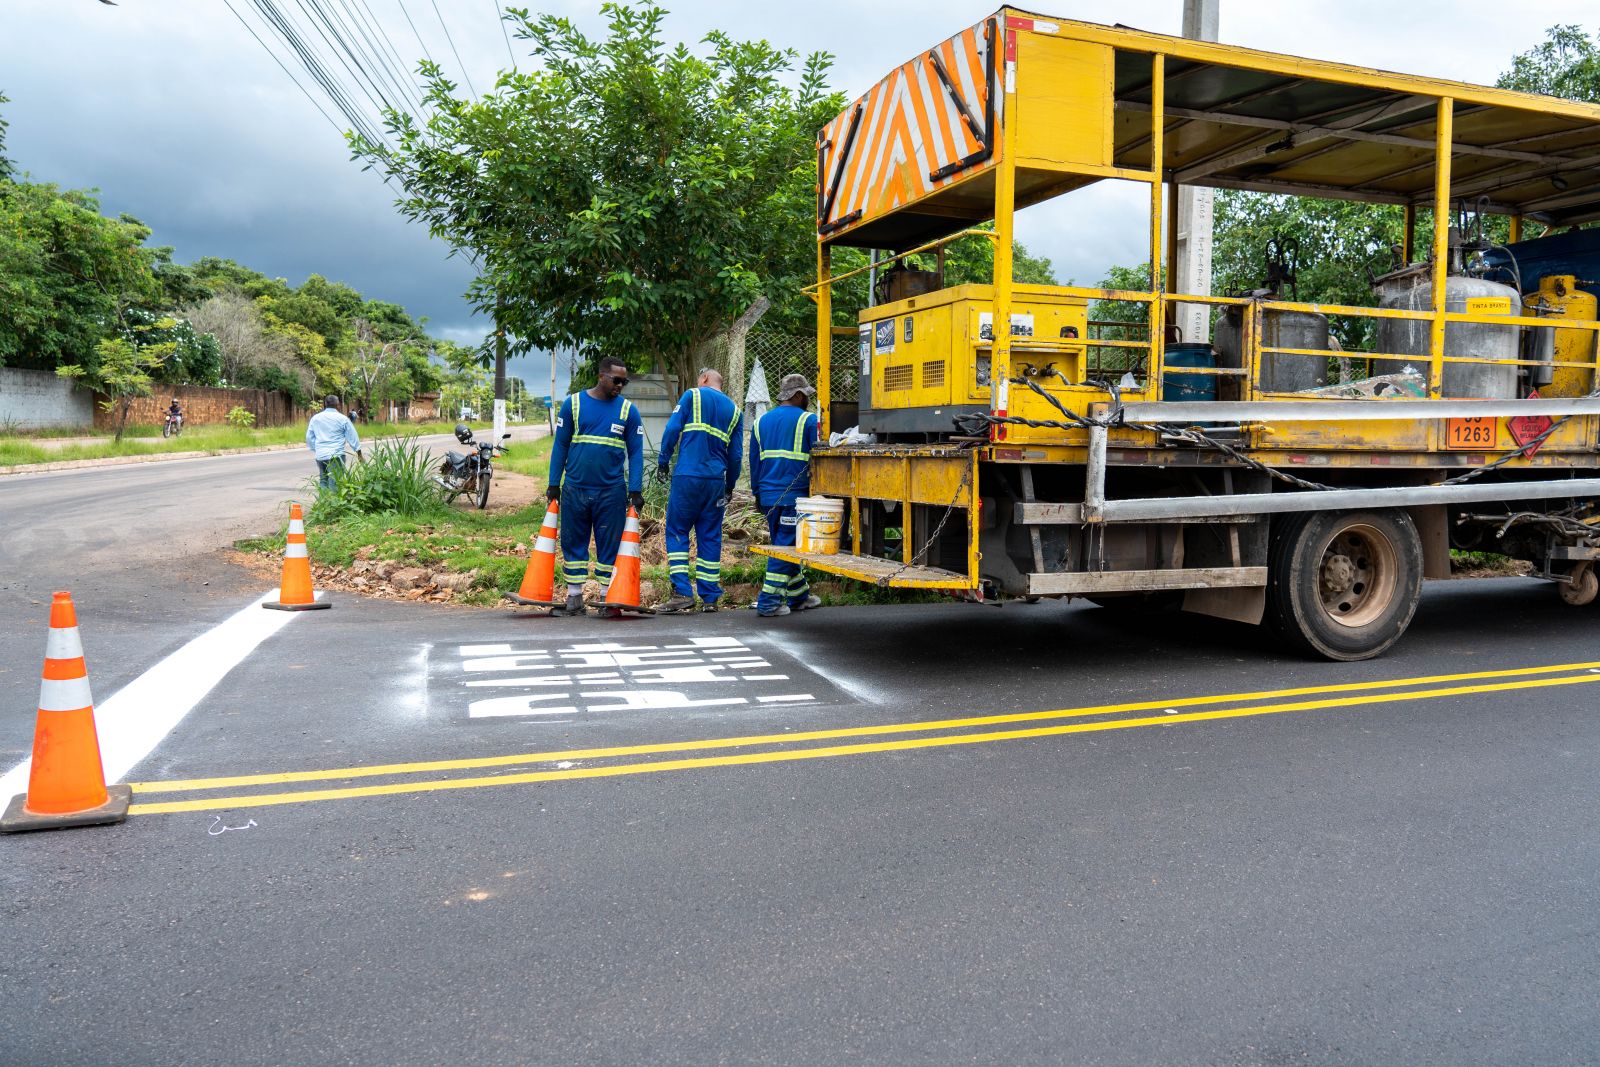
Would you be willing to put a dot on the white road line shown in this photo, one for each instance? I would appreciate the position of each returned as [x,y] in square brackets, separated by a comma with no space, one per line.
[786,698]
[766,677]
[135,719]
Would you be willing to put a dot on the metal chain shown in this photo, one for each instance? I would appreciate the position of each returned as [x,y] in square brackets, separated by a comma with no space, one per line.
[911,557]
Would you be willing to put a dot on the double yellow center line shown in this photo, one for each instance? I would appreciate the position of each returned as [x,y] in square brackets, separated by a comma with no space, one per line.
[940,733]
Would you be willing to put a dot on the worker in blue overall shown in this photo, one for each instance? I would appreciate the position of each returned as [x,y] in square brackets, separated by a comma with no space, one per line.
[780,474]
[595,432]
[707,433]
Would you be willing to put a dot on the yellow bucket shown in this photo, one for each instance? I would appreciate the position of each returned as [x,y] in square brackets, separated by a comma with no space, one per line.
[820,519]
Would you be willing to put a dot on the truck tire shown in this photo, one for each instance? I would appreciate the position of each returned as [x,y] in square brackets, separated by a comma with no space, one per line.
[1344,585]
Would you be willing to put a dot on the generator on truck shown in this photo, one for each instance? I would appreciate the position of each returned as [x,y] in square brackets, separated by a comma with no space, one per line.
[1022,449]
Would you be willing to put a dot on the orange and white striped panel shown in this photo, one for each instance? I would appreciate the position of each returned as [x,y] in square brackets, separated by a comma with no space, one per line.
[912,126]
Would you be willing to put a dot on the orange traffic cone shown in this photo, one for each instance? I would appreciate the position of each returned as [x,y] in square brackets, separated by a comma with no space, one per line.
[294,592]
[66,785]
[623,592]
[539,580]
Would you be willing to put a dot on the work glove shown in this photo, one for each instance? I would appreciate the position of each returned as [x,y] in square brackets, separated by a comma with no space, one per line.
[722,502]
[636,501]
[553,494]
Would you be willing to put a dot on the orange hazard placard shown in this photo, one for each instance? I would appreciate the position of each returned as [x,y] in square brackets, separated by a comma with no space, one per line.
[1475,434]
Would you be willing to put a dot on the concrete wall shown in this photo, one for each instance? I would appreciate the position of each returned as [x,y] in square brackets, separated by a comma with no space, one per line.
[204,406]
[39,400]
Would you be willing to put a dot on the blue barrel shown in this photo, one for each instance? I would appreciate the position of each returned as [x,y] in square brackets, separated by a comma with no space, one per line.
[1179,387]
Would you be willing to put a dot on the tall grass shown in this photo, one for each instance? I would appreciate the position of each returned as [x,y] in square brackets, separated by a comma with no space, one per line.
[396,478]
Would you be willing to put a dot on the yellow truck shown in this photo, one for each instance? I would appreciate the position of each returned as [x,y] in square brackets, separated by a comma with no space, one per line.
[1266,477]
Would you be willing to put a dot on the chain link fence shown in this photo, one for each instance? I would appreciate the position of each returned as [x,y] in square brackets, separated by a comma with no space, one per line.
[781,354]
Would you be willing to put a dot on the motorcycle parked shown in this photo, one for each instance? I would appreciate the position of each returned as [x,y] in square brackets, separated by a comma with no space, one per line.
[471,472]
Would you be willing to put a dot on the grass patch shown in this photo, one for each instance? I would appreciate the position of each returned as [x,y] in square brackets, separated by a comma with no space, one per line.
[21,449]
[494,544]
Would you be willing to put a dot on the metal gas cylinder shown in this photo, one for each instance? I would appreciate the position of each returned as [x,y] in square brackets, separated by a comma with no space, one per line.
[1279,329]
[1411,289]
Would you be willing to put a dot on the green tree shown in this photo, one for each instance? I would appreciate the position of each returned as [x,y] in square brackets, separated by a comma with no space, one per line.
[1566,63]
[196,357]
[623,197]
[967,260]
[6,169]
[124,368]
[67,274]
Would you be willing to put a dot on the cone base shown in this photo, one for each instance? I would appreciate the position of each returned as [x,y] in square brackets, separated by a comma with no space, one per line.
[315,605]
[633,608]
[19,819]
[515,599]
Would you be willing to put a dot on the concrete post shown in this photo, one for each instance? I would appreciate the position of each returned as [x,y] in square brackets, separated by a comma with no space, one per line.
[1192,271]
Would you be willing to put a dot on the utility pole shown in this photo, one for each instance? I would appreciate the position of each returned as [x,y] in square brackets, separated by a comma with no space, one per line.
[499,370]
[554,404]
[1192,271]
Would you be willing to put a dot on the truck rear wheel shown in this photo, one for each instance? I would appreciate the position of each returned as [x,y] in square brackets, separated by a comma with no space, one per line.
[1344,584]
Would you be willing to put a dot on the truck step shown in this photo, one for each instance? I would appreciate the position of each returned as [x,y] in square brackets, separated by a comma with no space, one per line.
[1058,583]
[870,569]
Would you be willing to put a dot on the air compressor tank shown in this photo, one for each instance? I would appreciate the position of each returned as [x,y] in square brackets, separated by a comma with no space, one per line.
[1279,329]
[1560,296]
[1411,289]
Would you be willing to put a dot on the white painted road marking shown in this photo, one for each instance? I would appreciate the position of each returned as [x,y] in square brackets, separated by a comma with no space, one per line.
[135,719]
[703,672]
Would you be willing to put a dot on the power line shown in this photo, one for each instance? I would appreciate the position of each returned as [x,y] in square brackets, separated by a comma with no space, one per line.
[373,54]
[452,41]
[420,42]
[319,72]
[405,69]
[282,66]
[500,16]
[336,44]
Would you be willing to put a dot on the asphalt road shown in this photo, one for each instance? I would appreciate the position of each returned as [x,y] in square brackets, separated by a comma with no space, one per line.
[141,547]
[398,833]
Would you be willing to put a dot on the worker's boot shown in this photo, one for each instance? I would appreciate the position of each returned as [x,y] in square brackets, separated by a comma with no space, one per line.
[809,603]
[676,605]
[773,613]
[708,605]
[574,605]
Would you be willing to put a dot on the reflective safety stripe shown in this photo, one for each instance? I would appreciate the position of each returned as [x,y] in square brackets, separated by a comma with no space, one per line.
[63,643]
[797,452]
[65,668]
[294,551]
[546,543]
[628,548]
[595,439]
[297,526]
[700,425]
[65,694]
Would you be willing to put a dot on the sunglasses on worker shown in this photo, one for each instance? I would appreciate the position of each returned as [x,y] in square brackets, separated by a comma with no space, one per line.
[618,380]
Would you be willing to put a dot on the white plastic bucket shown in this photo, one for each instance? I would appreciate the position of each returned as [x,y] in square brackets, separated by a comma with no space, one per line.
[820,519]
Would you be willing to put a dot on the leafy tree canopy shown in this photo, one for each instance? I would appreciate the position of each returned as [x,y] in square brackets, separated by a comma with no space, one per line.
[625,197]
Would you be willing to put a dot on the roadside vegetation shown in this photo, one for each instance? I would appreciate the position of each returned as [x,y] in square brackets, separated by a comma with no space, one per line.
[17,449]
[386,531]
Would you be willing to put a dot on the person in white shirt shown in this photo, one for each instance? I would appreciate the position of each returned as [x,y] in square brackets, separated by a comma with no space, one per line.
[327,435]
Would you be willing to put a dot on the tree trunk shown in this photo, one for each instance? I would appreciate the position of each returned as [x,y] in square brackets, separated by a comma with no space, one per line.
[123,410]
[724,352]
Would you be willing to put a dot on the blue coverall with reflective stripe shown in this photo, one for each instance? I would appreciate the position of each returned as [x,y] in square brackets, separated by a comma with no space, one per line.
[593,440]
[706,433]
[780,473]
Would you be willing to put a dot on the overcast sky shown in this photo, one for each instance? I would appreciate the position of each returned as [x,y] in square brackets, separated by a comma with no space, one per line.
[178,116]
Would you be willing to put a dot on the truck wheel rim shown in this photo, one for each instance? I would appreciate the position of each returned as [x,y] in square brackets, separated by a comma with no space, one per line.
[1356,579]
